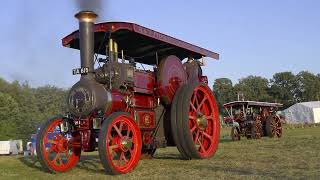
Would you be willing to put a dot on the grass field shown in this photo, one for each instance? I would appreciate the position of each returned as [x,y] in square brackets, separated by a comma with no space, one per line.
[295,156]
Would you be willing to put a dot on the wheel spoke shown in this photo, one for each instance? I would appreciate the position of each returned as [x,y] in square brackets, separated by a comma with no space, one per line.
[128,131]
[117,130]
[207,135]
[124,158]
[131,152]
[194,98]
[192,106]
[121,125]
[67,154]
[273,123]
[202,102]
[111,148]
[56,157]
[201,145]
[192,117]
[121,157]
[193,128]
[60,160]
[197,137]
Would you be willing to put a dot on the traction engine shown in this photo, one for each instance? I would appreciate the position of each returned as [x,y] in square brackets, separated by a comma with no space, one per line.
[253,120]
[127,113]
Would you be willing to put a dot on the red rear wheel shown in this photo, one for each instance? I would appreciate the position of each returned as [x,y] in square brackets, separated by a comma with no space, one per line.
[119,144]
[57,151]
[204,126]
[274,126]
[198,126]
[176,131]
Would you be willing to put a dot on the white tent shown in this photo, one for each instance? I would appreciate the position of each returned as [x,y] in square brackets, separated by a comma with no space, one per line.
[13,147]
[301,113]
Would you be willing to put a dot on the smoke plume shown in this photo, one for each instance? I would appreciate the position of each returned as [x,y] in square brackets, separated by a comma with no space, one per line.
[90,5]
[100,7]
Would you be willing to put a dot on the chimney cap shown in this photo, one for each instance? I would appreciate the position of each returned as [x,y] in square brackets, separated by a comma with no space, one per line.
[86,16]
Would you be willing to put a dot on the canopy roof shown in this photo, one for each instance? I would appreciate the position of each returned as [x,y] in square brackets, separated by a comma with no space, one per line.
[139,42]
[251,103]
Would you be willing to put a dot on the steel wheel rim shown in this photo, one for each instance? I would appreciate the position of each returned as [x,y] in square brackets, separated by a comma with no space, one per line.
[57,150]
[204,136]
[122,132]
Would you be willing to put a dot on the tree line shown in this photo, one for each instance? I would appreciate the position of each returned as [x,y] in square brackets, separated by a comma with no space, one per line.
[23,108]
[284,87]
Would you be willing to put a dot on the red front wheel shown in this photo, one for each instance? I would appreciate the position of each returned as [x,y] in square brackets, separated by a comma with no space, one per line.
[119,144]
[58,150]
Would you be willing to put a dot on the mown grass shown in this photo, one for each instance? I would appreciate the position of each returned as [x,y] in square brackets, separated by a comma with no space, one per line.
[295,156]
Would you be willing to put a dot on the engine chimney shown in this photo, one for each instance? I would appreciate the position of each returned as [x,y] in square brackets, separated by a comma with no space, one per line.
[86,25]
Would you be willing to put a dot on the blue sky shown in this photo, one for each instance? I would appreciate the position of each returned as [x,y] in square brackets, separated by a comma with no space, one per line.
[252,37]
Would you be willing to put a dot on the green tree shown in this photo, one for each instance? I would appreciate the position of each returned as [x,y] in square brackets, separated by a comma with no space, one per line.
[35,105]
[284,88]
[50,101]
[8,117]
[254,88]
[308,86]
[28,116]
[224,93]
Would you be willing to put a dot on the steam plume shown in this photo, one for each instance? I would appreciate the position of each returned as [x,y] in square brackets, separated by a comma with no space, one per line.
[97,6]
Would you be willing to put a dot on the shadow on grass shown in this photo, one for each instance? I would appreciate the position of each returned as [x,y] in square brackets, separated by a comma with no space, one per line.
[30,162]
[225,141]
[164,156]
[90,163]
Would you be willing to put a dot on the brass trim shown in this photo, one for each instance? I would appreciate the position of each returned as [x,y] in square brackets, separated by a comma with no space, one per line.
[86,16]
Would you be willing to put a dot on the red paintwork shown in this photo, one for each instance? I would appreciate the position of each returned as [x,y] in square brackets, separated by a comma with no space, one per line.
[147,137]
[171,76]
[118,102]
[144,82]
[146,119]
[143,101]
[87,139]
[204,79]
